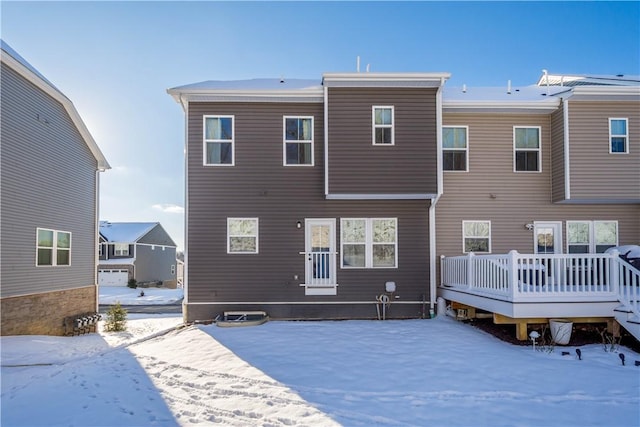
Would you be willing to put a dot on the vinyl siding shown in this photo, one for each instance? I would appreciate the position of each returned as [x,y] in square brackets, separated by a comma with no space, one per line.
[157,236]
[48,181]
[260,186]
[520,198]
[595,173]
[154,264]
[351,148]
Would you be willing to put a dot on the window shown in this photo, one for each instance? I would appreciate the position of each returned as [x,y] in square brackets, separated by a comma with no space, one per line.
[476,236]
[121,249]
[298,141]
[53,248]
[383,126]
[526,145]
[618,136]
[218,140]
[242,235]
[591,236]
[369,242]
[173,269]
[455,148]
[100,249]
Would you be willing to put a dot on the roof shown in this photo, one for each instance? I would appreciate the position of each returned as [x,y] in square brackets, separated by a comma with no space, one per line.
[588,80]
[125,232]
[13,60]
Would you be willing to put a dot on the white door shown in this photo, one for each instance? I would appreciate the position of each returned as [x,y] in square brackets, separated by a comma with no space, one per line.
[547,237]
[113,277]
[320,251]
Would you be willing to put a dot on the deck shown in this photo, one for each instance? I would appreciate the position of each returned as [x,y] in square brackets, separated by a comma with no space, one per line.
[525,286]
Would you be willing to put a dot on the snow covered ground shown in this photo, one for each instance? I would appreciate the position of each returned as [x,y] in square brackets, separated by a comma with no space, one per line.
[127,296]
[436,372]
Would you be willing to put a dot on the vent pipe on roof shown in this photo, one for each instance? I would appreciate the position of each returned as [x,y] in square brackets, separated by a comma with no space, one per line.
[464,88]
[367,68]
[509,87]
[546,77]
[358,63]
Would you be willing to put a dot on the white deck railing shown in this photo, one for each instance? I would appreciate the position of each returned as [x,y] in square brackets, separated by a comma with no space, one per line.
[565,277]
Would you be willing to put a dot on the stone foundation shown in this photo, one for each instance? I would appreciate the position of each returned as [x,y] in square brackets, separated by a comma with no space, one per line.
[43,314]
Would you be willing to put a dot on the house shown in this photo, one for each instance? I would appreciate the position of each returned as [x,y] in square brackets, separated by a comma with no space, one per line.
[50,167]
[335,198]
[136,250]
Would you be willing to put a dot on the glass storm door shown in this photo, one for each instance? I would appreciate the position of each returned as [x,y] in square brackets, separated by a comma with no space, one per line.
[320,251]
[547,237]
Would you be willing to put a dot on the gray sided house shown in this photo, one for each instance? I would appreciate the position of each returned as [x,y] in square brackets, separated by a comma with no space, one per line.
[136,250]
[50,168]
[304,198]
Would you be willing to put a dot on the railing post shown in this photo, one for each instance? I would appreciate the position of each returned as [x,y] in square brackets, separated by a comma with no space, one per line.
[470,269]
[614,271]
[513,272]
[442,277]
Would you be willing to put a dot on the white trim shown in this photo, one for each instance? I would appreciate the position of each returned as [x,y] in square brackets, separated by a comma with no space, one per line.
[54,247]
[229,236]
[466,149]
[592,243]
[326,141]
[375,126]
[380,196]
[557,234]
[205,141]
[625,136]
[307,302]
[53,92]
[285,141]
[539,149]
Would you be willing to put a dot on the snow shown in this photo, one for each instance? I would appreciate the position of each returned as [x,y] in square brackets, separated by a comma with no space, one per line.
[315,373]
[125,232]
[110,295]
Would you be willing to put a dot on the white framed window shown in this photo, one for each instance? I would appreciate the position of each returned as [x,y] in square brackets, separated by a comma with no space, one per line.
[527,151]
[242,235]
[121,249]
[591,236]
[100,249]
[298,141]
[218,148]
[369,242]
[382,118]
[53,248]
[618,136]
[455,148]
[476,236]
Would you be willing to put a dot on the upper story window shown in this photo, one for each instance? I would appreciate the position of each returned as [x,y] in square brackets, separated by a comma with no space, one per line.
[218,140]
[242,235]
[455,148]
[585,237]
[121,249]
[526,149]
[383,119]
[369,242]
[618,136]
[298,141]
[476,236]
[53,247]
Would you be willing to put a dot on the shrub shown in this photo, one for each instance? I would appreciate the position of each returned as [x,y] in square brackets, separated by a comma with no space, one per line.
[133,283]
[116,319]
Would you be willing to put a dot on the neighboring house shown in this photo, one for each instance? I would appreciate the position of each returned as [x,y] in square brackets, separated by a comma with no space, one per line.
[49,169]
[136,250]
[305,197]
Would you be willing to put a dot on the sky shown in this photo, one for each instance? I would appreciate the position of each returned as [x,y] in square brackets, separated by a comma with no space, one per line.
[398,373]
[115,60]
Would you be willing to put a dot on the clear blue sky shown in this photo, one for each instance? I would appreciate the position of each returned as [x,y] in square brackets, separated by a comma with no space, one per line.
[115,60]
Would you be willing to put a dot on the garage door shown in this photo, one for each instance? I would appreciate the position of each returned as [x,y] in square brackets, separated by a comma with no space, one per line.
[113,277]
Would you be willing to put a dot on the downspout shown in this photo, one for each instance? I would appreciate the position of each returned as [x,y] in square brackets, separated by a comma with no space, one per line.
[185,263]
[326,139]
[567,165]
[434,202]
[96,233]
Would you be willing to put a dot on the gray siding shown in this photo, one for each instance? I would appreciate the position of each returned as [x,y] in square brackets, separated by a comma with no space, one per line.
[596,174]
[157,236]
[48,180]
[154,264]
[351,148]
[260,186]
[520,198]
[557,155]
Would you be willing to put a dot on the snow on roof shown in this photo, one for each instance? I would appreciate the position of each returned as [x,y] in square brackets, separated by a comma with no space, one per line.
[253,84]
[588,80]
[503,93]
[125,232]
[9,50]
